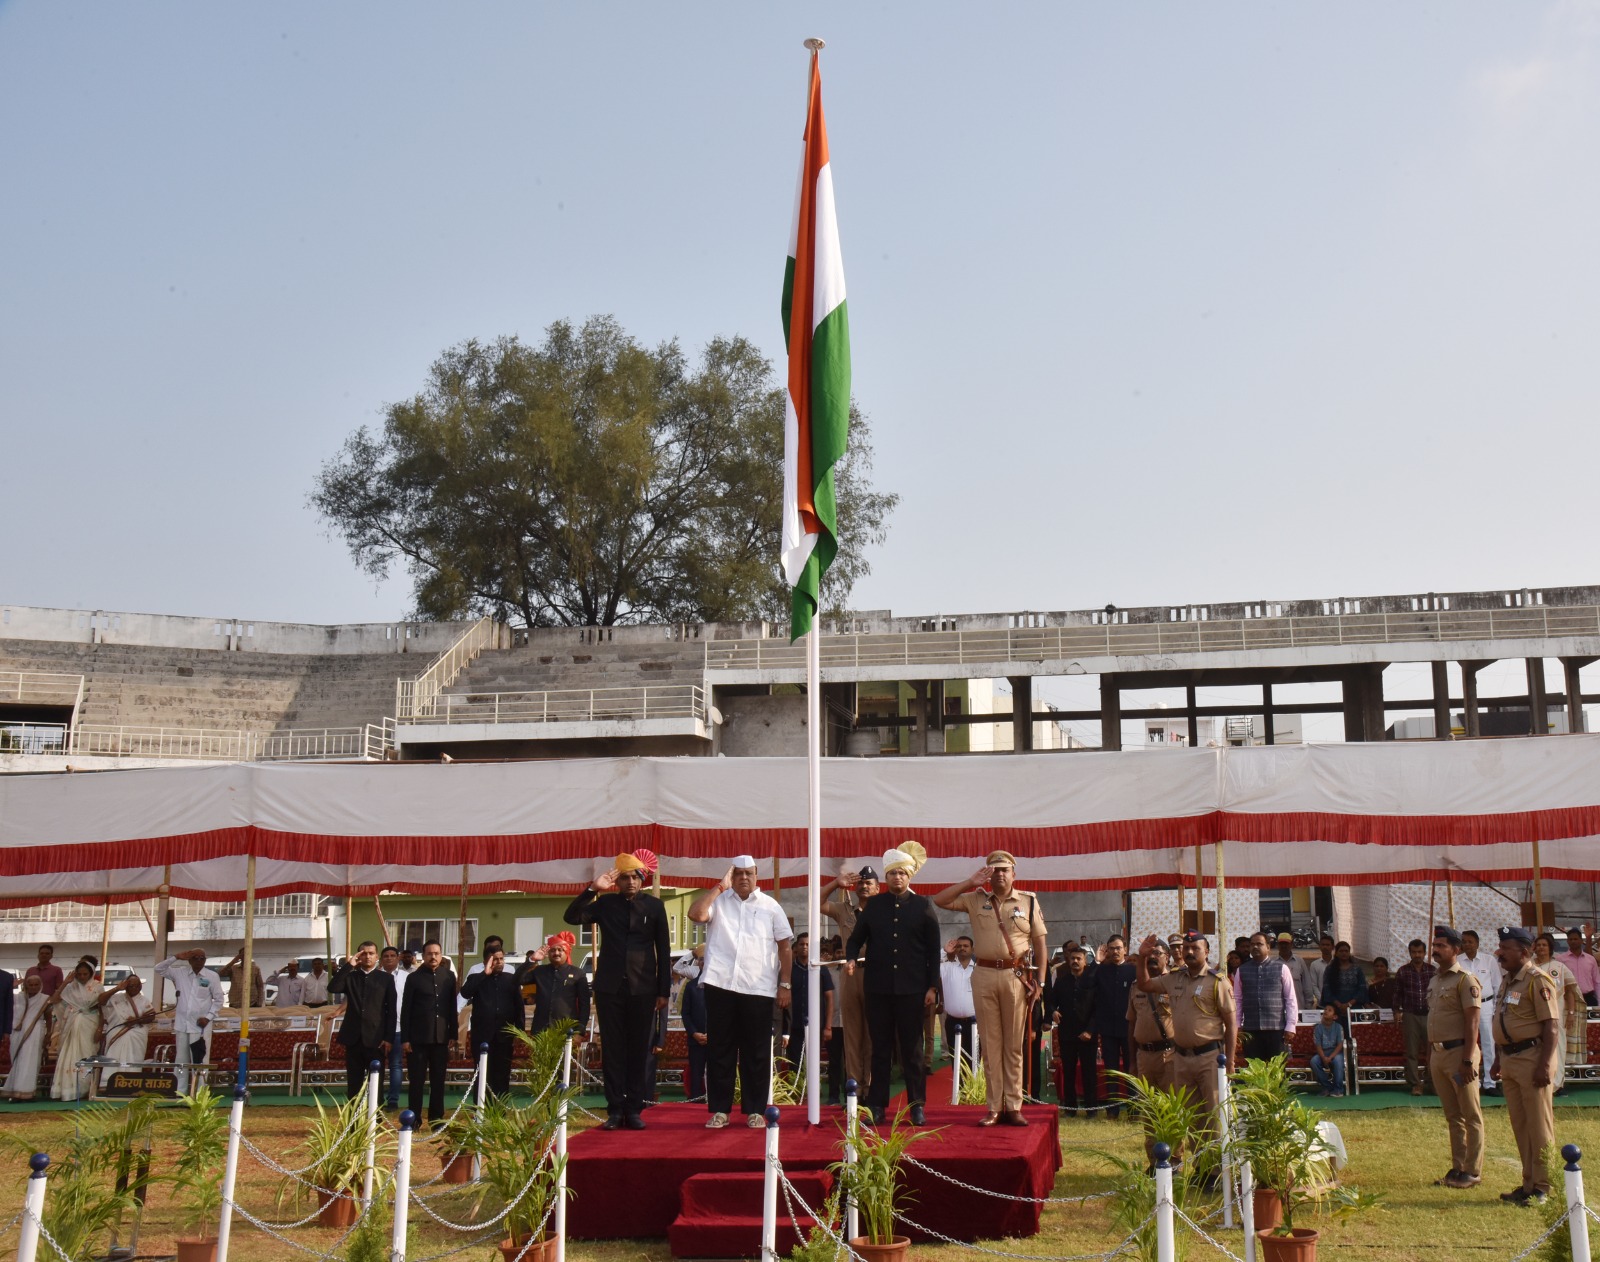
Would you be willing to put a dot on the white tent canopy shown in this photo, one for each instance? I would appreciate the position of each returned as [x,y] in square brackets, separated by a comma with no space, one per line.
[1290,815]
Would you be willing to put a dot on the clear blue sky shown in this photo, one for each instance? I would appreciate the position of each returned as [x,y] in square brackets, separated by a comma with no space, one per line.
[1150,303]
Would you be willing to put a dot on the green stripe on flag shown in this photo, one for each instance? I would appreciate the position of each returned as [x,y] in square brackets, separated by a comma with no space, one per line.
[830,431]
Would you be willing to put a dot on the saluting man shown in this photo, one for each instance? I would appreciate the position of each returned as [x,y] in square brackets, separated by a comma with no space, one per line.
[1454,998]
[850,892]
[1006,927]
[1526,1020]
[900,935]
[1204,1020]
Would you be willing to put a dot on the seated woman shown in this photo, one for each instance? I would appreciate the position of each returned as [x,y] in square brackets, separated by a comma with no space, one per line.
[1327,1064]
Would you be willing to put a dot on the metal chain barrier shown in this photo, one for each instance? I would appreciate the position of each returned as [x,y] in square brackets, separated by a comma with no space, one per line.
[791,1194]
[357,1118]
[1004,1196]
[17,1218]
[44,1234]
[533,1236]
[517,1200]
[272,1165]
[1205,1235]
[1028,1257]
[1554,1227]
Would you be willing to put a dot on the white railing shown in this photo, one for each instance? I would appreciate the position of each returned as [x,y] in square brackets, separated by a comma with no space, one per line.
[372,742]
[1135,639]
[37,687]
[281,907]
[570,705]
[416,698]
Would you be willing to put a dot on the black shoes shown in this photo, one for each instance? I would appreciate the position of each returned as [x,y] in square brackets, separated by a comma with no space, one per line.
[611,1123]
[634,1122]
[918,1117]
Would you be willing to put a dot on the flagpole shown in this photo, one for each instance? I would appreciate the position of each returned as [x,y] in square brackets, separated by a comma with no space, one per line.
[814,874]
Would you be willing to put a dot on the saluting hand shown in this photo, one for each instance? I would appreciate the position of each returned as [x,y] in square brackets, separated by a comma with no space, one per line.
[726,883]
[979,878]
[605,882]
[1149,945]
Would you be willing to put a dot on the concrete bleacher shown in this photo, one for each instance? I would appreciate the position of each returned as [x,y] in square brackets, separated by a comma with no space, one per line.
[158,686]
[543,665]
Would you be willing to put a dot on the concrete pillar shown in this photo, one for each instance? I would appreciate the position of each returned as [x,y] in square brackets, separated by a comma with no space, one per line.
[936,704]
[1570,666]
[1441,701]
[1110,713]
[1538,708]
[919,738]
[1021,714]
[1375,718]
[1269,720]
[1469,696]
[1194,719]
[1351,691]
[1363,703]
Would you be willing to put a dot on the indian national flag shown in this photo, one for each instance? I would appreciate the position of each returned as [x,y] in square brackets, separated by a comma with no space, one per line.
[817,329]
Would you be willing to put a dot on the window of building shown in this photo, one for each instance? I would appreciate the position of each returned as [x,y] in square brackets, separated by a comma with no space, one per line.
[447,932]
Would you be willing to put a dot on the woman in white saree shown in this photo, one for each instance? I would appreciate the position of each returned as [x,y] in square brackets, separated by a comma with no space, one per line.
[77,1006]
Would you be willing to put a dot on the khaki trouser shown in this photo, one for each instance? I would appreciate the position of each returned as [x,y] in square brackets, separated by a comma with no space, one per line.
[1002,1005]
[857,1041]
[1414,1025]
[1532,1110]
[1463,1115]
[1199,1074]
[1156,1069]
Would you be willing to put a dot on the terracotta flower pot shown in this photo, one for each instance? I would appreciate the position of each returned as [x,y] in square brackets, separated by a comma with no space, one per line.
[337,1212]
[457,1167]
[1268,1209]
[891,1252]
[200,1249]
[1299,1247]
[539,1251]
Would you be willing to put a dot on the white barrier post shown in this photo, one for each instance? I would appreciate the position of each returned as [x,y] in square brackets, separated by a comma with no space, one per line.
[561,1155]
[852,1218]
[1577,1218]
[974,1057]
[230,1173]
[373,1070]
[1225,1129]
[402,1186]
[1247,1209]
[955,1073]
[1165,1240]
[32,1208]
[480,1094]
[769,1191]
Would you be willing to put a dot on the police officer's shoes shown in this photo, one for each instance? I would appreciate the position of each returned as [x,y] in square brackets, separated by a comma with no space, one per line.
[1521,1196]
[1448,1179]
[1462,1181]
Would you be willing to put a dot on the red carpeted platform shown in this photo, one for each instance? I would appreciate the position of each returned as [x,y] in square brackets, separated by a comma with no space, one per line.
[628,1183]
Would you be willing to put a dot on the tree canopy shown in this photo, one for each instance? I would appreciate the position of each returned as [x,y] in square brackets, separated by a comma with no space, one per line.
[589,481]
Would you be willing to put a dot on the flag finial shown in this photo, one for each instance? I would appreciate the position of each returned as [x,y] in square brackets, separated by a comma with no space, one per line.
[816,45]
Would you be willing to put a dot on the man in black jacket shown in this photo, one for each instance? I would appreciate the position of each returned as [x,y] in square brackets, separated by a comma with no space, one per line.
[631,982]
[1072,1009]
[900,935]
[1113,983]
[561,991]
[496,1000]
[369,1014]
[428,1028]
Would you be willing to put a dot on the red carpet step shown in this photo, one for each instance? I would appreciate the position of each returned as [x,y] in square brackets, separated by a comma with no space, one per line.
[633,1184]
[717,1221]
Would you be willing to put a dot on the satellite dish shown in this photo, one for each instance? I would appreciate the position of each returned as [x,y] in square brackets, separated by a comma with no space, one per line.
[715,715]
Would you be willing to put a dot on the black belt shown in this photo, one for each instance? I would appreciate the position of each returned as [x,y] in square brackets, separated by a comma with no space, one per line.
[1448,1045]
[1201,1050]
[1162,1046]
[1511,1049]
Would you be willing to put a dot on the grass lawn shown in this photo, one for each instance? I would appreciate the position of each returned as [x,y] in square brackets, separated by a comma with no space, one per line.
[1396,1151]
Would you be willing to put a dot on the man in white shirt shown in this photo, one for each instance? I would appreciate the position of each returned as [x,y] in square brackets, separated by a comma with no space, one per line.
[291,986]
[389,962]
[1311,996]
[748,962]
[955,985]
[1298,973]
[314,985]
[1486,969]
[199,999]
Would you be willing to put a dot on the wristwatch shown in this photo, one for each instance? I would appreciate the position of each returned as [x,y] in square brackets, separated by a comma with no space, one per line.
[785,986]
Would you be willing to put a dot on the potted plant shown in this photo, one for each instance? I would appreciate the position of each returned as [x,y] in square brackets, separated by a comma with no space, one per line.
[1170,1116]
[457,1141]
[873,1184]
[202,1135]
[822,1241]
[85,1197]
[514,1144]
[1278,1136]
[335,1151]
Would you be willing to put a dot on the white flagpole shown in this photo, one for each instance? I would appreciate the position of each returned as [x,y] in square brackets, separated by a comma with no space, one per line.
[814,872]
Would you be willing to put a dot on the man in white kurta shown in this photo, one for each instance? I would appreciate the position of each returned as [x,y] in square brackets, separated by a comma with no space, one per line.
[29,1030]
[199,999]
[127,1015]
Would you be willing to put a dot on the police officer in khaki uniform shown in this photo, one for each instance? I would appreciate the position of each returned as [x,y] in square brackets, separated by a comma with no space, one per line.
[1150,1036]
[1006,926]
[1526,1021]
[1204,1021]
[1454,998]
[850,891]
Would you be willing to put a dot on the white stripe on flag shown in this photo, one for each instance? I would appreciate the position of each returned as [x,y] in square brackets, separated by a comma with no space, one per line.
[828,289]
[797,545]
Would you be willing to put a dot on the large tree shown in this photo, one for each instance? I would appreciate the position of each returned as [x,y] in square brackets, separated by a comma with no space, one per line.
[588,481]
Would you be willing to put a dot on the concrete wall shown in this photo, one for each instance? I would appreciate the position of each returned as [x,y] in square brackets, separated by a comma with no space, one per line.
[98,626]
[763,727]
